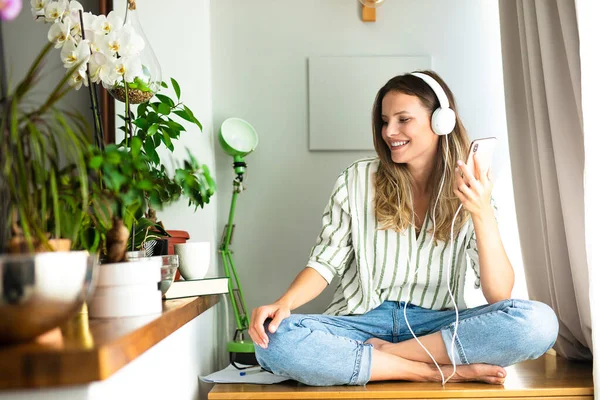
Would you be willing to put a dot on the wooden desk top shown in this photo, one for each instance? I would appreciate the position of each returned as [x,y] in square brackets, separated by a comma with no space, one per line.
[548,377]
[84,352]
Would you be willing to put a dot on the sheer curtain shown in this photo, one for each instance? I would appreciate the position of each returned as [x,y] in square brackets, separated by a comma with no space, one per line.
[542,79]
[588,13]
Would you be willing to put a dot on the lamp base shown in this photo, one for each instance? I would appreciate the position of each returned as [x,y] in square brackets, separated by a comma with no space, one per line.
[243,358]
[241,352]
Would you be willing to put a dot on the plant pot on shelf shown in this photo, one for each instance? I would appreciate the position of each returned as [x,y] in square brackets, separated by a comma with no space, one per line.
[18,245]
[176,237]
[127,289]
[41,291]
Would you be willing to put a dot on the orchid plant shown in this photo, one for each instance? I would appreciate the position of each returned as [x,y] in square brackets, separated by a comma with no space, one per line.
[107,50]
[124,179]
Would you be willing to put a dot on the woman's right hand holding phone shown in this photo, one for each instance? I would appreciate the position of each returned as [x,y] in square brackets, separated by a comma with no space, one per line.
[277,312]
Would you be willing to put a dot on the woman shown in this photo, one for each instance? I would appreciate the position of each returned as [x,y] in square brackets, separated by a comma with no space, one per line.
[380,215]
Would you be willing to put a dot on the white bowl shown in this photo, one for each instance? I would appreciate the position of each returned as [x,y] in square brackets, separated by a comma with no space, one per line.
[194,259]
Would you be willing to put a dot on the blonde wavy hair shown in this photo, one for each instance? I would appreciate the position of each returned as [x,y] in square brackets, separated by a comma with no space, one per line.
[394,183]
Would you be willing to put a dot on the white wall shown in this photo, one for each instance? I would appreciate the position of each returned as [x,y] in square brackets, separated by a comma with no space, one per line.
[259,62]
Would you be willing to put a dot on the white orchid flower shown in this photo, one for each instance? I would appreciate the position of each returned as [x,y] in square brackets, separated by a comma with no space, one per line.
[132,44]
[77,79]
[38,8]
[89,20]
[55,10]
[73,12]
[97,42]
[97,23]
[59,33]
[113,22]
[72,54]
[100,68]
[112,43]
[107,24]
[108,75]
[126,67]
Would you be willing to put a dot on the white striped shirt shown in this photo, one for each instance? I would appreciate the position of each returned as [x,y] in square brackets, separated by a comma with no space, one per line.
[377,265]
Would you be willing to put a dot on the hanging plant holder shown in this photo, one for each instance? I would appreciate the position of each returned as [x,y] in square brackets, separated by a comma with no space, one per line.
[136,96]
[147,82]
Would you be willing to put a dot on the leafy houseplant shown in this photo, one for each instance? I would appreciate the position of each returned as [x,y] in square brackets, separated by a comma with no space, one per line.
[39,143]
[118,196]
[108,51]
[57,184]
[155,126]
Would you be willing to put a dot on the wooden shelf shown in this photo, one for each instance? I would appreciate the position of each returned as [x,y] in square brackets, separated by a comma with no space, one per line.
[548,377]
[85,354]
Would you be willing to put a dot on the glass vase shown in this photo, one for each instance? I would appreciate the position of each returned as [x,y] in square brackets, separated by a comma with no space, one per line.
[147,80]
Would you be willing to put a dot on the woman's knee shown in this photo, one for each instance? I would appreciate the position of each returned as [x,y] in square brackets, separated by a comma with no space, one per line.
[278,348]
[537,329]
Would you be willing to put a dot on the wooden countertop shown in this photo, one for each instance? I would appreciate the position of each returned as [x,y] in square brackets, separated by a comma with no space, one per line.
[84,353]
[548,377]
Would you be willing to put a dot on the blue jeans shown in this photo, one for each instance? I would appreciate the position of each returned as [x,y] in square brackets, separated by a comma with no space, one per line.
[322,350]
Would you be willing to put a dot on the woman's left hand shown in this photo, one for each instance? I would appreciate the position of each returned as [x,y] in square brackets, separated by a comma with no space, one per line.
[474,190]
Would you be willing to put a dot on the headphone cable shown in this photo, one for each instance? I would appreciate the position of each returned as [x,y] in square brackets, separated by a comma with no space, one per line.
[444,381]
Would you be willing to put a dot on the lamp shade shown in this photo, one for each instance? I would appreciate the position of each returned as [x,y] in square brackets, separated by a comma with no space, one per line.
[237,137]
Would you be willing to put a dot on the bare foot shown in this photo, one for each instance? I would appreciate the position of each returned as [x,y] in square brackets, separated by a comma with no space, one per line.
[473,372]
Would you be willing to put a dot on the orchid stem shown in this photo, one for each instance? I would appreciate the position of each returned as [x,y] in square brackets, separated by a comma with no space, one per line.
[129,126]
[98,131]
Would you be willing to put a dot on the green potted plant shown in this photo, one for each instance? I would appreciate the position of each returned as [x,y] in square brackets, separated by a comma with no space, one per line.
[116,54]
[126,179]
[159,123]
[41,145]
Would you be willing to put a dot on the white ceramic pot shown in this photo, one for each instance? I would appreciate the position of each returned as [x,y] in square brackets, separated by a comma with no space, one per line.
[136,272]
[127,289]
[194,259]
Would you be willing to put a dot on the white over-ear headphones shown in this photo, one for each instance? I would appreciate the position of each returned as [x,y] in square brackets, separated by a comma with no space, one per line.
[443,119]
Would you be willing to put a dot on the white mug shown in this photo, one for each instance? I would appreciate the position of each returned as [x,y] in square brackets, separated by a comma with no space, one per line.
[194,259]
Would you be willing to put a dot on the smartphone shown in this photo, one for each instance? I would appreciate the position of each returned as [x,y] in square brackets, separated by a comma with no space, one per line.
[484,148]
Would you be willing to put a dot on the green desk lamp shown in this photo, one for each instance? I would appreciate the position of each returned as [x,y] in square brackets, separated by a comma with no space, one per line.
[238,139]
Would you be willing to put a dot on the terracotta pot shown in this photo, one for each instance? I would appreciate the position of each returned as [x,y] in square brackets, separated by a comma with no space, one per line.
[176,237]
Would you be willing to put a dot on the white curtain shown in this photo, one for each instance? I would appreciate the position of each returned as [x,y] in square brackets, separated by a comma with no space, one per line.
[542,79]
[588,15]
